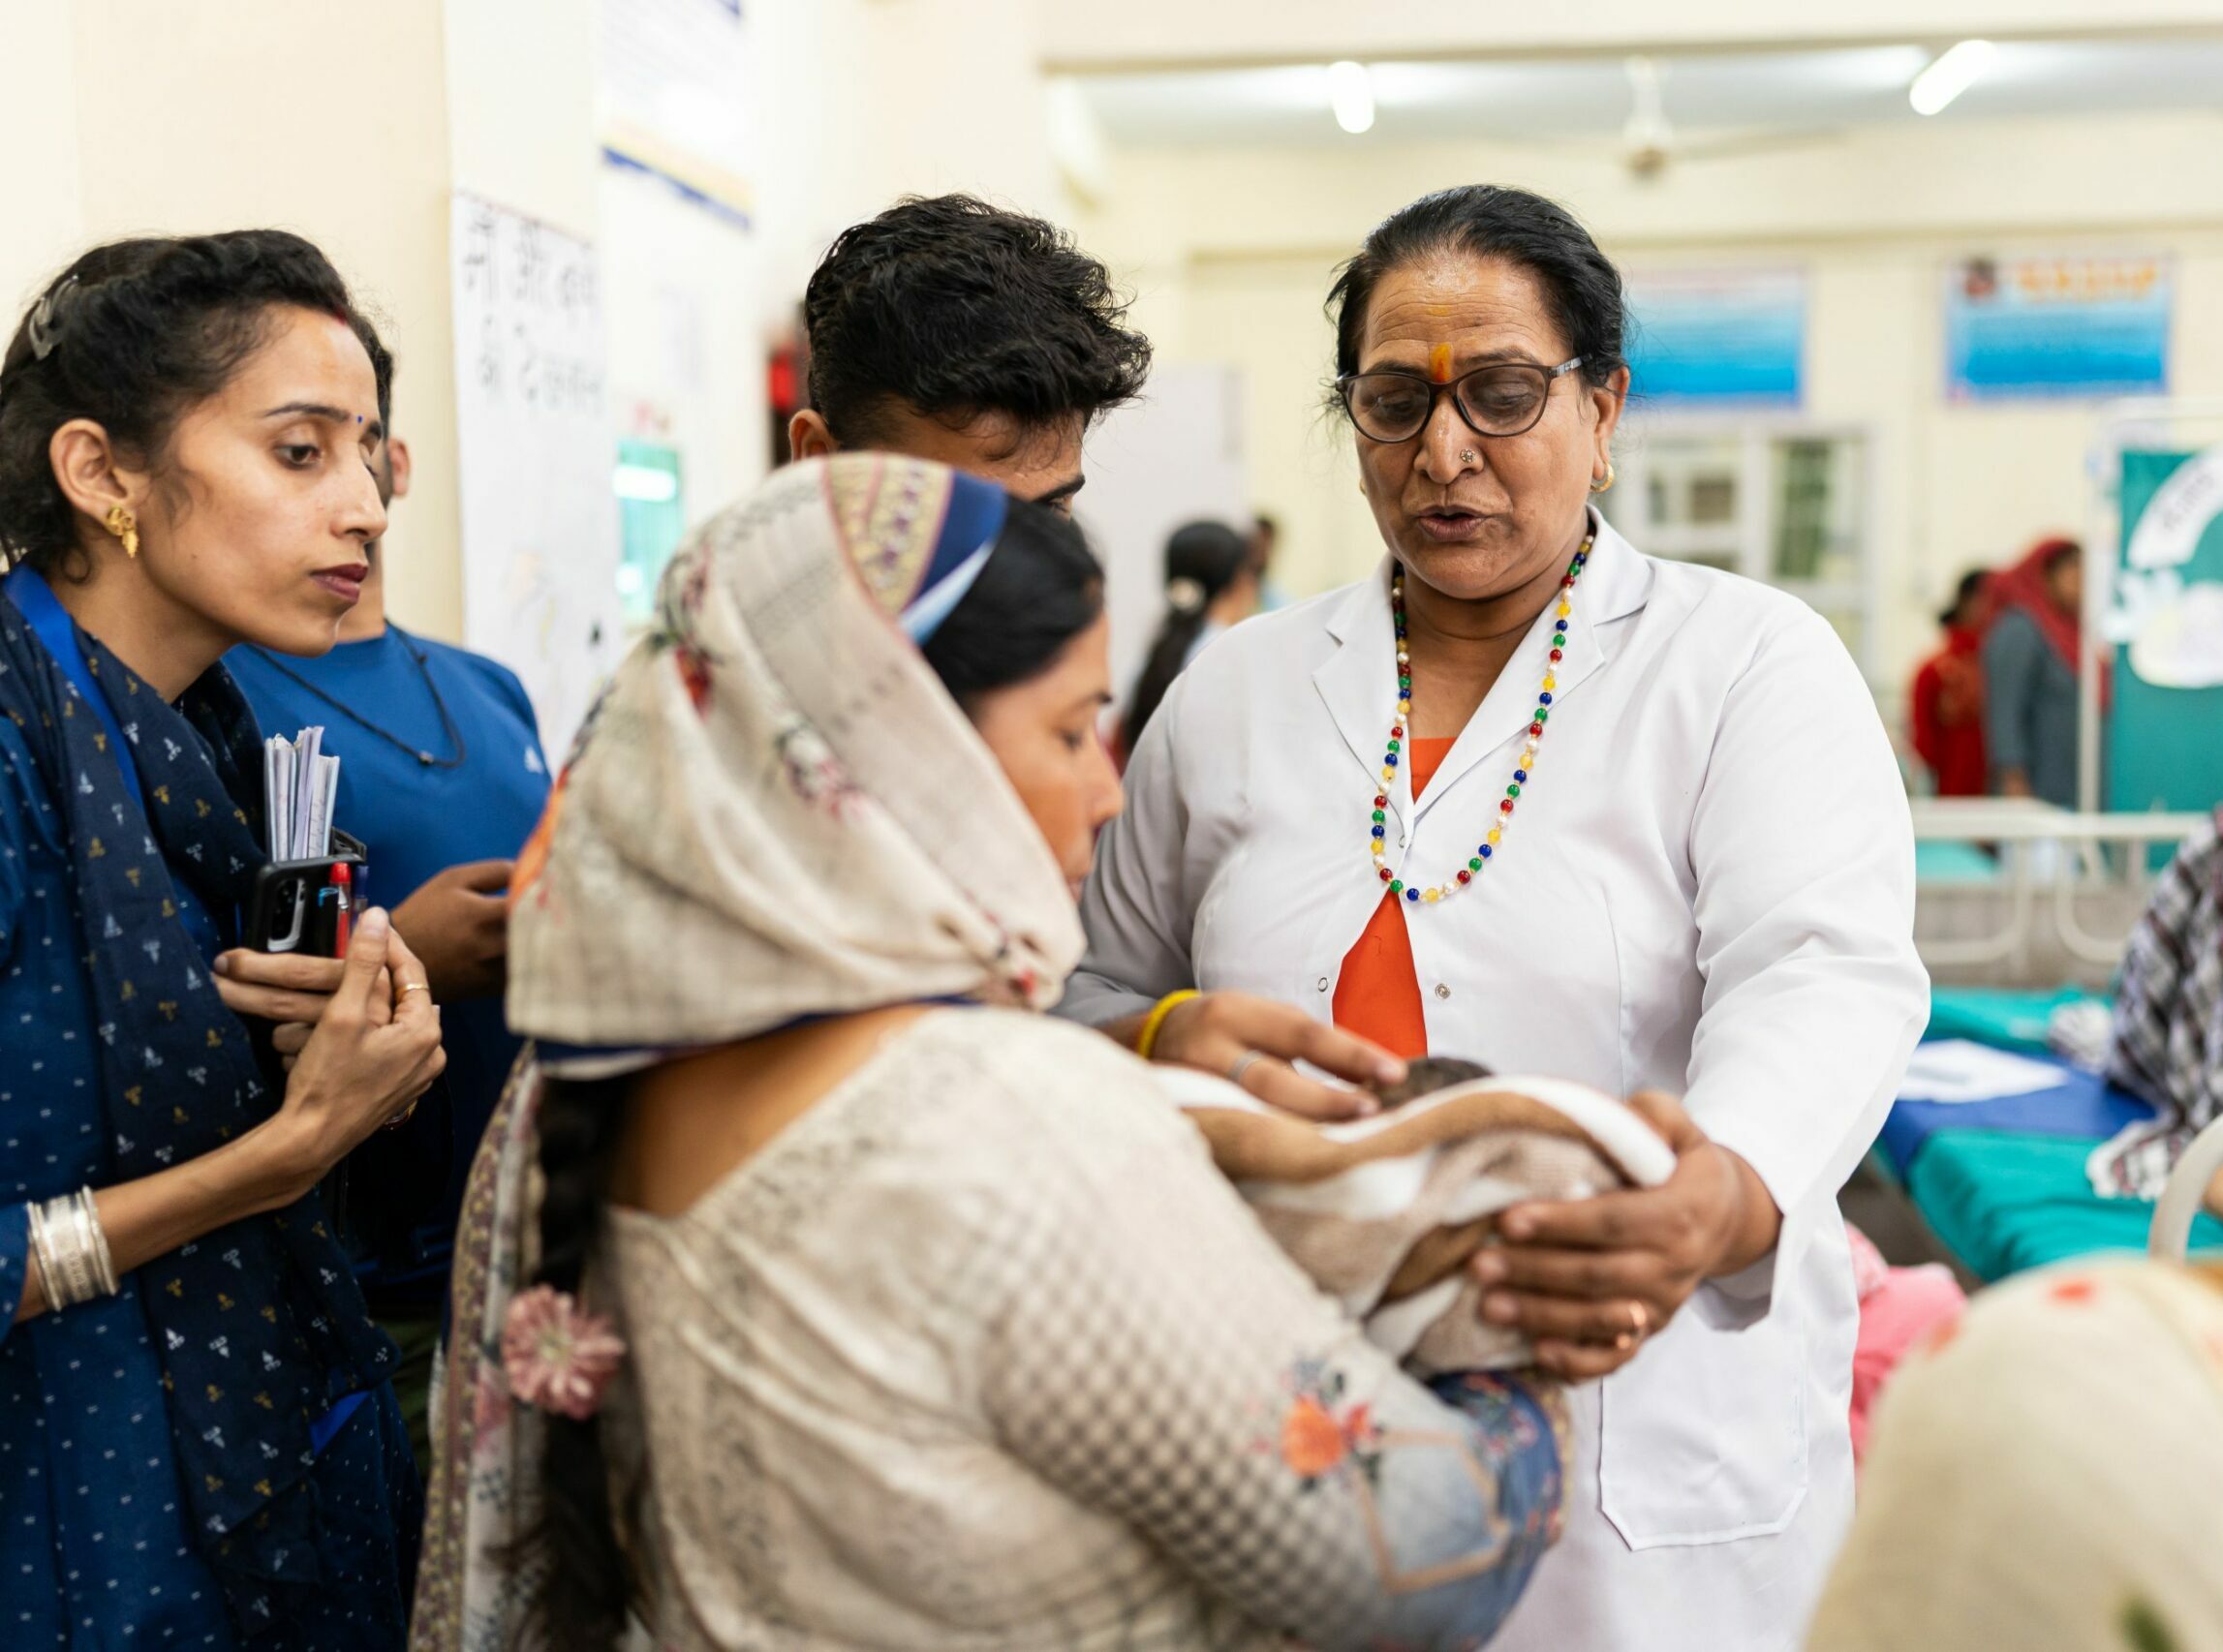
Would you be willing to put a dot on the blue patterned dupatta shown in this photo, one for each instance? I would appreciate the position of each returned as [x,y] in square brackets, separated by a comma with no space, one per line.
[258,1325]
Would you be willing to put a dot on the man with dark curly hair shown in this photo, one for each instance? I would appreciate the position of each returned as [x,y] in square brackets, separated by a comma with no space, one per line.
[955,330]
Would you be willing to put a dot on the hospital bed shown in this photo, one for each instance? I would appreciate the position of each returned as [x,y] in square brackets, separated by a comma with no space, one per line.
[2015,900]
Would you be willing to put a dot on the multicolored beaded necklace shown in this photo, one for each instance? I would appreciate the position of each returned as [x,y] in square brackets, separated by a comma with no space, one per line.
[1487,847]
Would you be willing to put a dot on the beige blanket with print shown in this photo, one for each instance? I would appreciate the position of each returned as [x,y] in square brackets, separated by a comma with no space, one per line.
[1385,1214]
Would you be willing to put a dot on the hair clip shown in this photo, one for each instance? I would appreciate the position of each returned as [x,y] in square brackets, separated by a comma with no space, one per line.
[40,327]
[1185,595]
[558,1356]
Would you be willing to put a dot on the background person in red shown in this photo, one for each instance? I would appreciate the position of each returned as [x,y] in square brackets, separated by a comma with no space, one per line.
[2031,648]
[1947,703]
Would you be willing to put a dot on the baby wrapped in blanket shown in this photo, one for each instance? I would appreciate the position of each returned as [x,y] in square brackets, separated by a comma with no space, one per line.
[1384,1212]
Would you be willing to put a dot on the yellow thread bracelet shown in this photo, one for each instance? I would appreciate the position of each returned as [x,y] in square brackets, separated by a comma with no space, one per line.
[1155,1024]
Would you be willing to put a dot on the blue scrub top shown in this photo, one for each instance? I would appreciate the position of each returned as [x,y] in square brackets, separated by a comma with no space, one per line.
[417,820]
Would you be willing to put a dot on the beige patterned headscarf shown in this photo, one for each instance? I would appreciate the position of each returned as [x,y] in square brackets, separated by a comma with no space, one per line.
[778,810]
[2049,1478]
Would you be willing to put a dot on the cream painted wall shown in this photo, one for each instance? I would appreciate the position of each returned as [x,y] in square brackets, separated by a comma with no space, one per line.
[1231,253]
[40,204]
[869,100]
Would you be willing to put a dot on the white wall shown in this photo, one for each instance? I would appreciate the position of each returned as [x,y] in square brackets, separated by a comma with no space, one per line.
[1232,253]
[354,124]
[40,204]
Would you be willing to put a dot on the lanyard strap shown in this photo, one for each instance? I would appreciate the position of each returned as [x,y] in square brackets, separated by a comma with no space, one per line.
[51,625]
[57,633]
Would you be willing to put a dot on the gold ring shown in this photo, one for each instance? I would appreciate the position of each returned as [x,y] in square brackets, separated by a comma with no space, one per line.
[413,986]
[402,1118]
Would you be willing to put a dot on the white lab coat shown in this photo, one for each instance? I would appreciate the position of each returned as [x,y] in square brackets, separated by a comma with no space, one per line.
[1707,889]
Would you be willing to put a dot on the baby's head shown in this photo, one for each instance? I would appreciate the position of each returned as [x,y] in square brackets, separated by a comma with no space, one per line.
[1427,1076]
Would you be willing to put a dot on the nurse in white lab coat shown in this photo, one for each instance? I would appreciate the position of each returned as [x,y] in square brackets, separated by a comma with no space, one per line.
[1705,887]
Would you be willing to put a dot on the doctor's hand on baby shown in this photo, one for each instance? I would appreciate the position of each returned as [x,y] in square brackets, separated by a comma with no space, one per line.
[1257,1044]
[1589,1280]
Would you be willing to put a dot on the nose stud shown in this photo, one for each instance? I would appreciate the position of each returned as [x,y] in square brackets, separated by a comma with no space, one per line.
[1467,456]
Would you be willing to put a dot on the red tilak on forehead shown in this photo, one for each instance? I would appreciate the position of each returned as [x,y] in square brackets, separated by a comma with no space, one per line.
[1440,363]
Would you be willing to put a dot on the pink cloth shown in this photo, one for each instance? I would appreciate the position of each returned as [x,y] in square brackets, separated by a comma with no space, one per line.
[1898,1308]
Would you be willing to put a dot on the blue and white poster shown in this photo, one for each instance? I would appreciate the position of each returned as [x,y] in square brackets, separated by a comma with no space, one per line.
[1706,338]
[2026,327]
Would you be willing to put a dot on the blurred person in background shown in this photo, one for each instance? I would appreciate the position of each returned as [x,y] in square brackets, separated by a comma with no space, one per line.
[2030,658]
[1946,704]
[1265,545]
[1212,582]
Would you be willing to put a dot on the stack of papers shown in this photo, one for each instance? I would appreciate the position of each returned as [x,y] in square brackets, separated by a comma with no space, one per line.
[298,785]
[1958,1070]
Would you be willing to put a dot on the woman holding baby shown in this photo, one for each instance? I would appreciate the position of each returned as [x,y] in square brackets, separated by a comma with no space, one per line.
[1529,797]
[812,1290]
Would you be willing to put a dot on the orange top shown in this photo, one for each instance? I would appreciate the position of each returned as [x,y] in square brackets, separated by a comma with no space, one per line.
[1377,996]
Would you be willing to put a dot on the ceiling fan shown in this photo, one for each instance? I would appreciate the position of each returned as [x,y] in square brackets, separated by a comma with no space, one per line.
[1649,143]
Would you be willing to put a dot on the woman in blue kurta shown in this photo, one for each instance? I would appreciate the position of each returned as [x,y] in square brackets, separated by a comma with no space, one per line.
[208,1453]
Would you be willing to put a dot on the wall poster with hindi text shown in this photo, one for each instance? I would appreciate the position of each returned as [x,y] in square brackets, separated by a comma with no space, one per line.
[1717,338]
[541,541]
[2079,325]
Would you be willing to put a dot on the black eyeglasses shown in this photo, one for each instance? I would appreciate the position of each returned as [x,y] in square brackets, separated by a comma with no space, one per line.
[1506,398]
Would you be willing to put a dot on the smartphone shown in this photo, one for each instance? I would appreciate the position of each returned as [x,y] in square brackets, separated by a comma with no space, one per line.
[307,905]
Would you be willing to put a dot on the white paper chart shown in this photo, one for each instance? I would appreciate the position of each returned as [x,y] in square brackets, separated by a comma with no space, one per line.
[535,454]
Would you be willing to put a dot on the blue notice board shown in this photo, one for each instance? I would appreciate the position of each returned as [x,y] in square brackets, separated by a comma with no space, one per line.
[1717,337]
[2026,327]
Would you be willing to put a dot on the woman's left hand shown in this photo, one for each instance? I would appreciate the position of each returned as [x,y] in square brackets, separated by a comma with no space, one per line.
[277,985]
[1589,1280]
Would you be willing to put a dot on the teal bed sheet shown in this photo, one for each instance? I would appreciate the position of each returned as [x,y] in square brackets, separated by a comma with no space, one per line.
[2005,1203]
[1945,860]
[2003,1018]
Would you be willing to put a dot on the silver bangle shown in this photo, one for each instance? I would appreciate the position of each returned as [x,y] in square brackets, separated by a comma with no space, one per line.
[95,1242]
[63,1219]
[72,1251]
[43,1255]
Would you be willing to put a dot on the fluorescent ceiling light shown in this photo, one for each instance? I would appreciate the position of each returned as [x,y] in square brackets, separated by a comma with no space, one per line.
[646,484]
[1350,93]
[1955,71]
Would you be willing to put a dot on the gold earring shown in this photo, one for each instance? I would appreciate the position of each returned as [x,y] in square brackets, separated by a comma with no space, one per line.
[1597,486]
[125,527]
